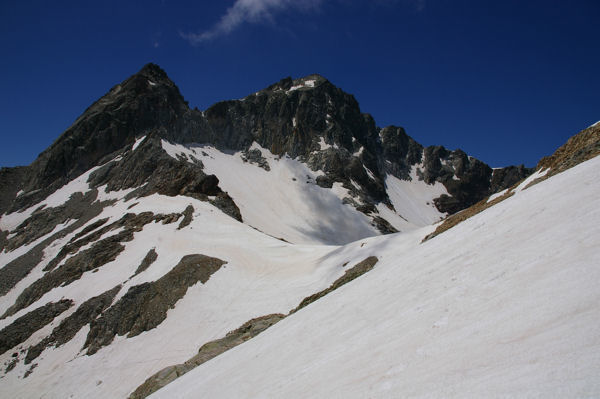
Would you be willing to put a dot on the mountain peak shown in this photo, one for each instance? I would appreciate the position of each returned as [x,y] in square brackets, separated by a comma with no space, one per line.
[289,85]
[153,72]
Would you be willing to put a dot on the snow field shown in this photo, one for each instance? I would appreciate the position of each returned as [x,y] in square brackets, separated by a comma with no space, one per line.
[263,275]
[504,304]
[275,203]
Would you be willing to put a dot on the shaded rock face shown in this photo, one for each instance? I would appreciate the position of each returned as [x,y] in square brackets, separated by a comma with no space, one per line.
[145,306]
[509,176]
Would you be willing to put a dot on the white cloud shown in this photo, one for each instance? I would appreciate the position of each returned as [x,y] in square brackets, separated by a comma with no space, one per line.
[249,11]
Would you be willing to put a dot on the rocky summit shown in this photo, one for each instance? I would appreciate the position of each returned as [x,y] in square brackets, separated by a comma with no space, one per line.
[337,257]
[308,119]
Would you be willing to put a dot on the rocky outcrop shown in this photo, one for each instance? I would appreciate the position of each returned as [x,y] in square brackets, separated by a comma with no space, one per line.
[248,330]
[149,259]
[81,208]
[187,217]
[99,254]
[23,327]
[355,271]
[579,148]
[145,306]
[151,170]
[66,330]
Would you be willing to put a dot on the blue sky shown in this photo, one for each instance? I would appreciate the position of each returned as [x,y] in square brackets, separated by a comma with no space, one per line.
[506,81]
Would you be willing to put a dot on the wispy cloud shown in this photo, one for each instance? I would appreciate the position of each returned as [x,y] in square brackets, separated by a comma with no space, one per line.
[249,11]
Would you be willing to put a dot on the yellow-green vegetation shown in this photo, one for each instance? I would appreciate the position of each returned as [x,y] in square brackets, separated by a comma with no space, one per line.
[583,146]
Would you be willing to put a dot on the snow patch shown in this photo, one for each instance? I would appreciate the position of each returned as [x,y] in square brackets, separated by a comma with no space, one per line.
[369,173]
[323,145]
[413,200]
[497,195]
[137,143]
[306,83]
[535,175]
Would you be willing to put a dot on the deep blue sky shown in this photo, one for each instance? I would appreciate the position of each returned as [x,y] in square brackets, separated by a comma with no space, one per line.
[506,81]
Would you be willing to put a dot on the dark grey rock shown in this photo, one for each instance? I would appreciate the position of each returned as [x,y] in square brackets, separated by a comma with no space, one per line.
[149,259]
[97,255]
[145,306]
[507,177]
[22,328]
[70,326]
[255,156]
[187,217]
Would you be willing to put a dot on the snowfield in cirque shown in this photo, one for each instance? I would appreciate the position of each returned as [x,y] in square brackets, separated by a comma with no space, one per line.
[286,203]
[503,304]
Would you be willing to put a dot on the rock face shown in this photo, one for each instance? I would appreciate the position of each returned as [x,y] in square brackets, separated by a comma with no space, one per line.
[308,118]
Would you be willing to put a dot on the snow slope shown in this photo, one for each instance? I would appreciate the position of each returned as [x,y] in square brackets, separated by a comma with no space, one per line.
[506,304]
[286,203]
[262,275]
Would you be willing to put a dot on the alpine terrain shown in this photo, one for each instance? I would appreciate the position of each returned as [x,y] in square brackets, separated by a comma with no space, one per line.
[284,245]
